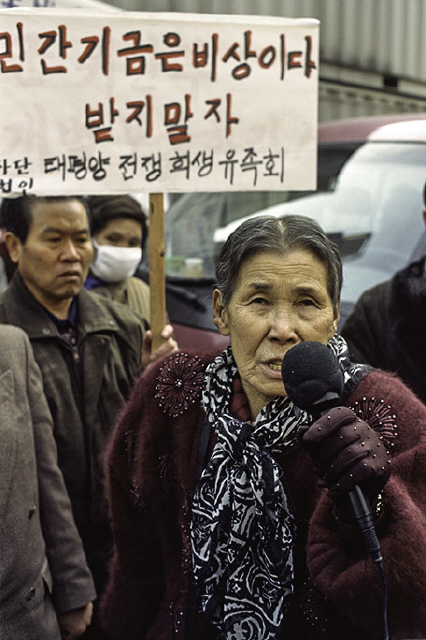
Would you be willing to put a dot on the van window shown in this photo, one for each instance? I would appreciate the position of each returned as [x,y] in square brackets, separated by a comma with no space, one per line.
[193,218]
[373,206]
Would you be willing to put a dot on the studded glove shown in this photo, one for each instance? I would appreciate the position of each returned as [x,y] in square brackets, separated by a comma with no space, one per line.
[347,452]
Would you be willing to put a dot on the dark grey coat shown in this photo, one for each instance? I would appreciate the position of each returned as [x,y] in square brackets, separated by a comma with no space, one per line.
[42,563]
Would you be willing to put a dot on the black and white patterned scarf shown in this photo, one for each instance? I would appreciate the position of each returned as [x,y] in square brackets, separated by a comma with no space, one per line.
[242,523]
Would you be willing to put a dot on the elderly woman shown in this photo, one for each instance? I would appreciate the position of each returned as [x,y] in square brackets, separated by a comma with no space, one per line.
[229,502]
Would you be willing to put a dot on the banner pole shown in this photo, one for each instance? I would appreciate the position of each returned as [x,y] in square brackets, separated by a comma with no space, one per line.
[157,275]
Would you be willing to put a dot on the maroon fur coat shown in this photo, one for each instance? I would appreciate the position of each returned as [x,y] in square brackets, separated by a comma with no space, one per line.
[338,592]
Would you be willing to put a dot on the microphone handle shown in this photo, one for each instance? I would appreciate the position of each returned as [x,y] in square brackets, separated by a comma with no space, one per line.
[359,505]
[364,519]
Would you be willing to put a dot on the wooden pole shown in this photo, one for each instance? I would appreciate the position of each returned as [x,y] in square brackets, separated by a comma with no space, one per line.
[157,274]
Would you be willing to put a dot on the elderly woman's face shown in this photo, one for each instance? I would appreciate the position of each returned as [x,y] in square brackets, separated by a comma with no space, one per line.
[277,303]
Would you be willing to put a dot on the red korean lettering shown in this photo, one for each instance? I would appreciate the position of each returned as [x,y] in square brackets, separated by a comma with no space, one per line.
[171,40]
[94,119]
[135,55]
[267,57]
[309,63]
[137,108]
[176,120]
[243,69]
[50,38]
[7,54]
[214,111]
[91,43]
[207,54]
[297,59]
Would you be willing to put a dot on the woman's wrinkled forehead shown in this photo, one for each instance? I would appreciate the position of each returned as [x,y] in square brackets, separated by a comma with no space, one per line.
[254,266]
[267,233]
[264,269]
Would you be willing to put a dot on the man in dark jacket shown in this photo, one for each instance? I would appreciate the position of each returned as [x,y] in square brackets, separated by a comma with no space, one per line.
[387,326]
[89,350]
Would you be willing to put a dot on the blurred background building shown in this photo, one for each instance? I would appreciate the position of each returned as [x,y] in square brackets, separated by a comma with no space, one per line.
[373,52]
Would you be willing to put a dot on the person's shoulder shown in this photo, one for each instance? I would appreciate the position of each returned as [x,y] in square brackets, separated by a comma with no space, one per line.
[389,405]
[415,270]
[7,298]
[9,332]
[373,304]
[167,395]
[112,309]
[186,361]
[379,382]
[180,373]
[13,340]
[138,283]
[377,293]
[15,350]
[409,287]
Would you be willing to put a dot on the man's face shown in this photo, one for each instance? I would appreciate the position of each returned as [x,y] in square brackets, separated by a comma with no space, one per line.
[56,256]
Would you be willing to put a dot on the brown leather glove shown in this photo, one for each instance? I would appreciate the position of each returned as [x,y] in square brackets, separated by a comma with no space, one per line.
[347,452]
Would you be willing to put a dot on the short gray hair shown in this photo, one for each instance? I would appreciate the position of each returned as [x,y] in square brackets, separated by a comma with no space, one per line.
[279,236]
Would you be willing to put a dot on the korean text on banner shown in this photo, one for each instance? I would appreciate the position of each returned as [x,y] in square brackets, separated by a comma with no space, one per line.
[153,102]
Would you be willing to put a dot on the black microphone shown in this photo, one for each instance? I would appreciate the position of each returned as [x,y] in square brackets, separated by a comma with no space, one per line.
[314,382]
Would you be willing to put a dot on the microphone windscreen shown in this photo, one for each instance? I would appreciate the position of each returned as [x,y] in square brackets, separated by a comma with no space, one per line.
[309,371]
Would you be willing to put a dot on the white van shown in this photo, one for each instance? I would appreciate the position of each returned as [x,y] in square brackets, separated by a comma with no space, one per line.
[371,173]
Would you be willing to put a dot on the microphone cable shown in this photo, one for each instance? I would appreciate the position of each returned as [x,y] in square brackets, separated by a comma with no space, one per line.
[385,599]
[364,520]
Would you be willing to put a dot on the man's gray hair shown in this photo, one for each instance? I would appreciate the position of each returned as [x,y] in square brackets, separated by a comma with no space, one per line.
[279,236]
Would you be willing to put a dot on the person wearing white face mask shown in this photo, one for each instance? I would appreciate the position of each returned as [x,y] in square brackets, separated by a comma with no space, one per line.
[119,231]
[115,264]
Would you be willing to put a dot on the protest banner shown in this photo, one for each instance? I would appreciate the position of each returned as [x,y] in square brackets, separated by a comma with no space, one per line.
[153,102]
[127,102]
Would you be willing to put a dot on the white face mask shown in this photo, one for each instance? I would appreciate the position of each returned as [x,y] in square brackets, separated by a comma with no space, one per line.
[115,264]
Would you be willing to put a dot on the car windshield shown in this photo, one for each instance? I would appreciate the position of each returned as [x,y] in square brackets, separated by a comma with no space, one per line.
[374,209]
